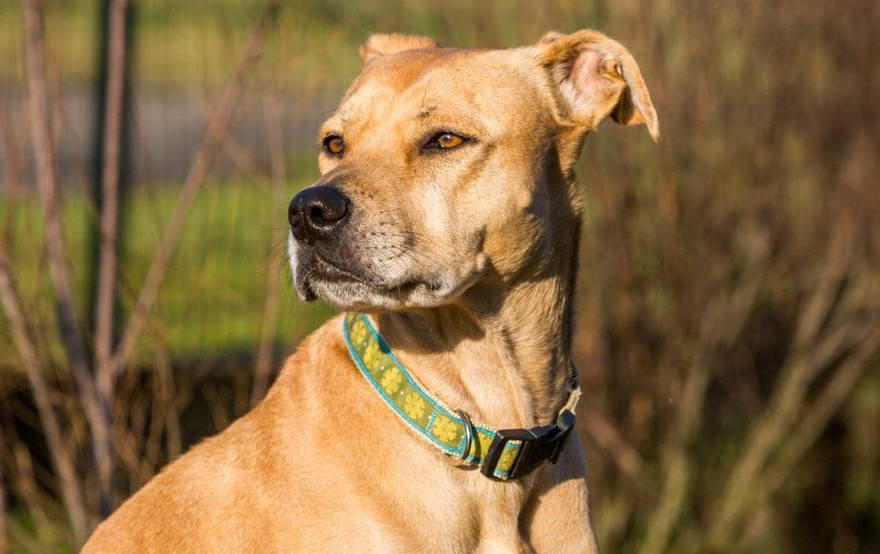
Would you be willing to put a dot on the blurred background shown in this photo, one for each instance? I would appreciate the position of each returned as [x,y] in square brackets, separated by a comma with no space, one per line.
[729,295]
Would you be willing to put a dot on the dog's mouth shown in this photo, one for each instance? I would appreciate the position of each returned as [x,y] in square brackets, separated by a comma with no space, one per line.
[327,268]
[318,274]
[315,270]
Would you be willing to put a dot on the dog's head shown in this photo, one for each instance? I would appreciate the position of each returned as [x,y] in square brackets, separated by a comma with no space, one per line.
[443,165]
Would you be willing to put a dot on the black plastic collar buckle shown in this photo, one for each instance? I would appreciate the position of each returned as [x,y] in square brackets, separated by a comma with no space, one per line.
[538,444]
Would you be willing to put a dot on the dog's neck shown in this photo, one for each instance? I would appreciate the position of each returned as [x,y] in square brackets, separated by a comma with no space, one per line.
[503,352]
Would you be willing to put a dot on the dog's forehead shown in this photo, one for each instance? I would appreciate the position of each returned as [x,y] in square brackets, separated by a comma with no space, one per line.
[496,81]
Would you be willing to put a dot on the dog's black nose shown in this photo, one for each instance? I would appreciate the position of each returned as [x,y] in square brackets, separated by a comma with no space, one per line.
[317,212]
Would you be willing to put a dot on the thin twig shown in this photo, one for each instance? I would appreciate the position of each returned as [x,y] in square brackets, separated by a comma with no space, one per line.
[624,455]
[676,463]
[11,156]
[217,126]
[47,184]
[241,159]
[815,420]
[271,308]
[170,402]
[724,321]
[27,489]
[116,57]
[60,456]
[4,546]
[783,409]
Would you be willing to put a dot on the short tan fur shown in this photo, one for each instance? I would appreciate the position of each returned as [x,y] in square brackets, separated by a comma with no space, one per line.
[466,258]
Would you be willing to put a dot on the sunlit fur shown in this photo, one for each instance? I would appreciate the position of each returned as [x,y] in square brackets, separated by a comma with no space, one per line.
[466,258]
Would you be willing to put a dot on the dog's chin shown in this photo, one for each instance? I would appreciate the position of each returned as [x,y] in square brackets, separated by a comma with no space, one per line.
[353,290]
[356,296]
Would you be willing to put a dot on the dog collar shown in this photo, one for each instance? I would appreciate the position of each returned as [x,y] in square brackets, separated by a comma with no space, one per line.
[503,454]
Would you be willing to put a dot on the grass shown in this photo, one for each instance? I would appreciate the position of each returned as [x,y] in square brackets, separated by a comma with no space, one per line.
[214,292]
[193,43]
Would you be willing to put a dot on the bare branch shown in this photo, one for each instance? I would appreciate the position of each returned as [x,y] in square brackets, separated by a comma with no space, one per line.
[62,461]
[4,546]
[816,417]
[170,403]
[11,157]
[116,57]
[786,402]
[211,142]
[26,488]
[606,434]
[238,154]
[47,184]
[272,117]
[723,323]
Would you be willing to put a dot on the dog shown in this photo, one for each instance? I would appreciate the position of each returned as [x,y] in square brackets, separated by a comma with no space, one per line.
[435,416]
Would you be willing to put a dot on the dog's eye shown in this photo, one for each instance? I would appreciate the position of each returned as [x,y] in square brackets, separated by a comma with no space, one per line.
[334,145]
[444,141]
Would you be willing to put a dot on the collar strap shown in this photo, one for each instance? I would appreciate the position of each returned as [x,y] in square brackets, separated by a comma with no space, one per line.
[503,454]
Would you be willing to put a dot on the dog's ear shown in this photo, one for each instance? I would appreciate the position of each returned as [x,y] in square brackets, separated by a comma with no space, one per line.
[597,77]
[380,45]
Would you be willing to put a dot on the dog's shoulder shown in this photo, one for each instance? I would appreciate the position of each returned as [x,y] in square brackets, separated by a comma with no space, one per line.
[320,360]
[240,466]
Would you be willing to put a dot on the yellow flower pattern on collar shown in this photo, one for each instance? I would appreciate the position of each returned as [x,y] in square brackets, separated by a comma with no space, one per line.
[444,429]
[408,398]
[414,406]
[391,380]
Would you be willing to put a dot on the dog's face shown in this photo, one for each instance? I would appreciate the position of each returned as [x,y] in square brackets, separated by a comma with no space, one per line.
[441,165]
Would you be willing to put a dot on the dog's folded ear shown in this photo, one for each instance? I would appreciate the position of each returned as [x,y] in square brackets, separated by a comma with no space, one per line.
[382,44]
[597,77]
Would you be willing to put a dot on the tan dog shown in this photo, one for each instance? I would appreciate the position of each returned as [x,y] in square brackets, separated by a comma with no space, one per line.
[448,210]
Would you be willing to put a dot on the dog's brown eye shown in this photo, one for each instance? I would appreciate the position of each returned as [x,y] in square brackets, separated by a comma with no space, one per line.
[334,144]
[448,140]
[444,141]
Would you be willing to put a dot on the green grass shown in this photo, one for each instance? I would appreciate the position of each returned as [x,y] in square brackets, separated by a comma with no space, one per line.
[314,45]
[200,42]
[213,296]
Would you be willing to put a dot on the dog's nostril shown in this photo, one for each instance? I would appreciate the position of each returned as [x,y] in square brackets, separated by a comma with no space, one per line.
[331,211]
[317,214]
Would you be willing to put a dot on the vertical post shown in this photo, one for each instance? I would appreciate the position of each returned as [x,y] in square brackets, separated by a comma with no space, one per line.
[4,547]
[59,273]
[109,145]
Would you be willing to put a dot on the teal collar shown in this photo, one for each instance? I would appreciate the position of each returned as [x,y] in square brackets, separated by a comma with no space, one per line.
[502,454]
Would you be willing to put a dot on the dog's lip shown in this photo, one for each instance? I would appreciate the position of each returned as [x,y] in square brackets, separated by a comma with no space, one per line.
[339,270]
[307,292]
[329,270]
